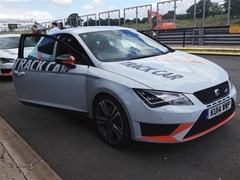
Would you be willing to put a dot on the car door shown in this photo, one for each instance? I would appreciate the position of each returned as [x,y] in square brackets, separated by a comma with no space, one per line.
[40,79]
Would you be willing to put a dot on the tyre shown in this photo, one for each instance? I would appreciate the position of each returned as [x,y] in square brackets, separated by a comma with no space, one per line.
[111,121]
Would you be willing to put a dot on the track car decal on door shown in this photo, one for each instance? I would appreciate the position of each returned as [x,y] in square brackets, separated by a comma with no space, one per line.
[36,65]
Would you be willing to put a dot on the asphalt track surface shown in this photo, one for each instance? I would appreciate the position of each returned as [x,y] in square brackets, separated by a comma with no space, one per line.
[69,143]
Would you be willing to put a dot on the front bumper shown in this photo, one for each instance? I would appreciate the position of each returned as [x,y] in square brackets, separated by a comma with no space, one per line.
[189,131]
[5,72]
[6,69]
[173,124]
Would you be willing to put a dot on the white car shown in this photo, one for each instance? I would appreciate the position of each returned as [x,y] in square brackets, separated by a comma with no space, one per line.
[133,86]
[8,53]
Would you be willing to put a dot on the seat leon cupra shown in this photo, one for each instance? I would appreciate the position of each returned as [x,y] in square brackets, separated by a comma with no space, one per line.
[133,86]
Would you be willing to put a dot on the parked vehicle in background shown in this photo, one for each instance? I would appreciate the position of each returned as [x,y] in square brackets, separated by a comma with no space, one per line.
[133,86]
[8,52]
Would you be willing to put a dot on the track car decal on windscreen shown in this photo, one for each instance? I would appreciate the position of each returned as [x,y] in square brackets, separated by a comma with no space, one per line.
[39,65]
[152,70]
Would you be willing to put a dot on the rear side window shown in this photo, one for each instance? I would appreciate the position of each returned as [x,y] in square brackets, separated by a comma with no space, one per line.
[44,50]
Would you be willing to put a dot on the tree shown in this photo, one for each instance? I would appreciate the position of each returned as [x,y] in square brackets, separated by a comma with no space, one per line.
[91,22]
[134,20]
[181,16]
[121,21]
[103,22]
[199,10]
[114,22]
[208,5]
[128,21]
[169,15]
[235,8]
[216,9]
[190,11]
[144,20]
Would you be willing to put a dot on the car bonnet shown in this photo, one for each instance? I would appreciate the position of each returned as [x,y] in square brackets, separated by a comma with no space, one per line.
[9,53]
[177,71]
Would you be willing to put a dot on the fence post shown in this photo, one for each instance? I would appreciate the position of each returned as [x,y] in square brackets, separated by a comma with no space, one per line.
[99,19]
[119,17]
[204,11]
[199,36]
[228,14]
[124,17]
[108,18]
[193,35]
[137,18]
[194,21]
[174,16]
[184,35]
[203,29]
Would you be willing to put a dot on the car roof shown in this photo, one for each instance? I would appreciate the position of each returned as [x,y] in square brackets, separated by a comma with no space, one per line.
[9,35]
[86,29]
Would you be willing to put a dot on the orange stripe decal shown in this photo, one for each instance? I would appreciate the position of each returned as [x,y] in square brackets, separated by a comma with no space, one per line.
[160,138]
[210,129]
[181,128]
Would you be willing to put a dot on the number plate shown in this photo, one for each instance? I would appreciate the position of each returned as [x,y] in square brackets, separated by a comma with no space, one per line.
[219,109]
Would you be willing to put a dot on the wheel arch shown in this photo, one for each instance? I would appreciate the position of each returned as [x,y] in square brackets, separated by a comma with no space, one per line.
[112,95]
[118,99]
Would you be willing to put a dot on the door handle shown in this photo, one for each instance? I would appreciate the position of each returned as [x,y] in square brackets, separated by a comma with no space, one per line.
[19,74]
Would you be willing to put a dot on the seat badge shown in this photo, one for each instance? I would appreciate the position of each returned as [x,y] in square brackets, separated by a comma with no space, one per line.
[226,90]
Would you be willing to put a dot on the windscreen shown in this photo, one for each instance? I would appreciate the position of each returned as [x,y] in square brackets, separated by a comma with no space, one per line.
[119,45]
[9,42]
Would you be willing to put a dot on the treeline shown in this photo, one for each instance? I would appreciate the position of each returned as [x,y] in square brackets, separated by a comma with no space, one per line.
[211,9]
[115,22]
[75,20]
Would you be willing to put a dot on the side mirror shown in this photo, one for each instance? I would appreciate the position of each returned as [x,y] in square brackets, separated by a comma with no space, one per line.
[66,60]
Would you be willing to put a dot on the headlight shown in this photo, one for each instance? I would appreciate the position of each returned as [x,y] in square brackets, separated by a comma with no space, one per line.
[162,98]
[7,60]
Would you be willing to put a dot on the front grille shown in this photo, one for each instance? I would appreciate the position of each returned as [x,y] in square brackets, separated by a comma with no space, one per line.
[6,71]
[212,94]
[157,129]
[7,60]
[203,124]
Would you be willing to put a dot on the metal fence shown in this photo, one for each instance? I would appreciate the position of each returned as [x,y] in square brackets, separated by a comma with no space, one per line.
[111,18]
[167,14]
[213,36]
[171,21]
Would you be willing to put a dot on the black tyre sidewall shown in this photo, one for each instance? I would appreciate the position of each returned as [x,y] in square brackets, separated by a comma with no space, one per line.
[126,128]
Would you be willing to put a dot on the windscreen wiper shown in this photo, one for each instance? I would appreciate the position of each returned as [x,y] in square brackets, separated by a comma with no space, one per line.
[146,56]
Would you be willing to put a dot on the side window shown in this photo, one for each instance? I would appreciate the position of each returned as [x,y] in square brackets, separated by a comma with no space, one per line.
[76,49]
[43,51]
[48,48]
